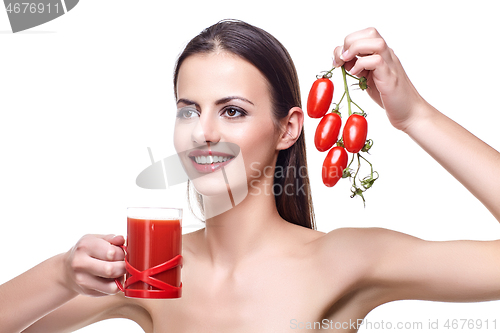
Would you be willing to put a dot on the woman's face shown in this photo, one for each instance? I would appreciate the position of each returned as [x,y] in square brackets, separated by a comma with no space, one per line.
[224,130]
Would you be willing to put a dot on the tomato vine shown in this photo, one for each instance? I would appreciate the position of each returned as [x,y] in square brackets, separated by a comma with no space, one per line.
[354,135]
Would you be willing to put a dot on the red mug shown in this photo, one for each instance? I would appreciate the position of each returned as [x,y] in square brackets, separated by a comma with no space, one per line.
[153,256]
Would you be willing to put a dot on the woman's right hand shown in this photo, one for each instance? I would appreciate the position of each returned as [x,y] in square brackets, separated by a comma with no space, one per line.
[93,263]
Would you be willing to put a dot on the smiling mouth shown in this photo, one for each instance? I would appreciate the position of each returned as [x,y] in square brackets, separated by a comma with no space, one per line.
[210,159]
[206,161]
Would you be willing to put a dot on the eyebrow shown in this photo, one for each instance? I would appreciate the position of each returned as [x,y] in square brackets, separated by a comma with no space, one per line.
[218,102]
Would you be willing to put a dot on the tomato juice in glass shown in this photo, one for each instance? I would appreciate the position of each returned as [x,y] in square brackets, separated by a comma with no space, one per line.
[154,237]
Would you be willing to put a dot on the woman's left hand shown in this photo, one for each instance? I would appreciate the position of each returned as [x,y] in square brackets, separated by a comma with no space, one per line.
[365,53]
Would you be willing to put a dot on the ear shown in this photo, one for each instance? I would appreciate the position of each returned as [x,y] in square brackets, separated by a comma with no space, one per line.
[291,128]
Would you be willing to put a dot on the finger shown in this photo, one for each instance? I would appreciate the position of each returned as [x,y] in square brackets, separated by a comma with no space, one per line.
[364,47]
[359,43]
[363,73]
[116,252]
[367,33]
[105,286]
[96,286]
[100,268]
[117,240]
[337,62]
[350,64]
[99,247]
[370,63]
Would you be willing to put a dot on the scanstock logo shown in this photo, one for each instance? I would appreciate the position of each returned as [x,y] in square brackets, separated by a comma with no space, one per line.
[25,15]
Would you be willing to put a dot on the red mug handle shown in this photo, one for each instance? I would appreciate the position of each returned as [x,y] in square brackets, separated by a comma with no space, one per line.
[117,281]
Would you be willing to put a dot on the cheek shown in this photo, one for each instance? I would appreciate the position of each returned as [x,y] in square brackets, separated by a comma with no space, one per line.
[259,150]
[182,137]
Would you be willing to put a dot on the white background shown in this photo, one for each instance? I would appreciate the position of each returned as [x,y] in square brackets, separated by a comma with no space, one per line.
[83,96]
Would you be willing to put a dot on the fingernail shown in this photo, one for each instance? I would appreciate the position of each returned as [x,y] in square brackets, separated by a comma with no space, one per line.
[344,55]
[334,63]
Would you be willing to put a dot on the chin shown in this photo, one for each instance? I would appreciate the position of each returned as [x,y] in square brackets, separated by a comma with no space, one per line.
[210,186]
[224,187]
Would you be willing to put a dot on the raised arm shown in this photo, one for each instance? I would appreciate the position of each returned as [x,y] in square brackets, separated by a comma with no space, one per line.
[87,269]
[401,266]
[365,53]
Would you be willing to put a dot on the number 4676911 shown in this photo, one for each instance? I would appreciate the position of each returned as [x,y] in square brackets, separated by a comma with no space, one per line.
[31,8]
[454,324]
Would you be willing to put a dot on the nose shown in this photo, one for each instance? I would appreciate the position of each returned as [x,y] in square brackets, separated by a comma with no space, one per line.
[206,130]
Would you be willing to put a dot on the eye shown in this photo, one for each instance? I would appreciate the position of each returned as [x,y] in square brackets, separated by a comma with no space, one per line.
[233,112]
[187,113]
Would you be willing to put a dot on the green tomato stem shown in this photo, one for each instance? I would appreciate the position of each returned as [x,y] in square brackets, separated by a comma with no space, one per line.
[364,113]
[357,190]
[346,89]
[357,171]
[341,98]
[352,160]
[371,166]
[328,74]
[354,77]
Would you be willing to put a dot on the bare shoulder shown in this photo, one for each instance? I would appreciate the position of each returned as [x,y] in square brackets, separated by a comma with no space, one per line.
[361,238]
[358,250]
[342,242]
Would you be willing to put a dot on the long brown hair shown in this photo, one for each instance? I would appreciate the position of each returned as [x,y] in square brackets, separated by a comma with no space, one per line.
[267,54]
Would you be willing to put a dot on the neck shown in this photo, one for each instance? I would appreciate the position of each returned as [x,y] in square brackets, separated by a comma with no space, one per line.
[245,229]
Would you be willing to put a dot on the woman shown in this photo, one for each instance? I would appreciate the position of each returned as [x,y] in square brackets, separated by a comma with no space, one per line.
[259,265]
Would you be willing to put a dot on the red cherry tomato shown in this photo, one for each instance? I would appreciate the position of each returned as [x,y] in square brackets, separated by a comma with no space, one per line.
[334,165]
[319,98]
[327,131]
[354,134]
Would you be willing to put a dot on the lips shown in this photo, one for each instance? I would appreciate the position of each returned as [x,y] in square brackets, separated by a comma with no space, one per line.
[206,161]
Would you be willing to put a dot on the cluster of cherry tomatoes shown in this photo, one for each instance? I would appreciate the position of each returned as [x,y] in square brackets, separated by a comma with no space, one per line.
[354,134]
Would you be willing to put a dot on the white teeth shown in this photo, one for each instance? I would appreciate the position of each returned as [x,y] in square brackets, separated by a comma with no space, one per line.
[210,159]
